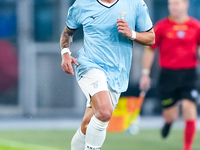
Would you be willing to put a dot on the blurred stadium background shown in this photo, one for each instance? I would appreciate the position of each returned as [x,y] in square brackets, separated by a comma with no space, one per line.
[34,91]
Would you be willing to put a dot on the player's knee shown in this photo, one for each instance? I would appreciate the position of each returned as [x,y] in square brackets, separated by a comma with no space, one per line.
[170,117]
[104,115]
[188,105]
[174,117]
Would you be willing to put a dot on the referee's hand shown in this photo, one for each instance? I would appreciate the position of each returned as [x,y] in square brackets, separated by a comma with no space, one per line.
[145,82]
[66,63]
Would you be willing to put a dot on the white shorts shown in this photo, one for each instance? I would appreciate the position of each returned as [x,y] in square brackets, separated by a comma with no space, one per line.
[95,81]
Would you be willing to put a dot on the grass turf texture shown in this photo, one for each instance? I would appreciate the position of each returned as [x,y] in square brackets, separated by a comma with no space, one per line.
[60,140]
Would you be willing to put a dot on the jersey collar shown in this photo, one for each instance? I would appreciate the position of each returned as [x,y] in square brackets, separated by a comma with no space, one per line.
[171,19]
[105,5]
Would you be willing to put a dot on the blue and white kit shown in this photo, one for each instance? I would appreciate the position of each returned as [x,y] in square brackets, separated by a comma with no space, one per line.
[104,47]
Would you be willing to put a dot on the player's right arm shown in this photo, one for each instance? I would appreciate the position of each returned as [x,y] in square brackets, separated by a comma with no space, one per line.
[147,62]
[67,59]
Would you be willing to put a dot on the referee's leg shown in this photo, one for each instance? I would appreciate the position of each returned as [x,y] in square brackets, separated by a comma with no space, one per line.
[190,115]
[170,114]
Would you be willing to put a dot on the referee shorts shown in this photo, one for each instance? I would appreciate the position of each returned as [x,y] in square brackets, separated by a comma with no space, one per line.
[175,85]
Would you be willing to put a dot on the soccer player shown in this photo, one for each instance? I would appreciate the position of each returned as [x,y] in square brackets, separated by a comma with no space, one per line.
[103,63]
[177,38]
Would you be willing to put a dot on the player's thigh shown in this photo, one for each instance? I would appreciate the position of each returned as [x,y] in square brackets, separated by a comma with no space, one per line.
[171,113]
[189,109]
[189,94]
[95,87]
[92,82]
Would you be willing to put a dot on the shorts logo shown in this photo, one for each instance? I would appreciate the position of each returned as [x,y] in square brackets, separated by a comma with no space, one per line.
[194,93]
[95,84]
[167,102]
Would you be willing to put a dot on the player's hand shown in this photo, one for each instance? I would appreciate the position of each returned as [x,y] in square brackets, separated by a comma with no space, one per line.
[66,63]
[145,82]
[123,28]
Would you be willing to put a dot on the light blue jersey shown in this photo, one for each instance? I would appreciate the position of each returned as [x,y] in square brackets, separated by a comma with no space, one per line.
[104,48]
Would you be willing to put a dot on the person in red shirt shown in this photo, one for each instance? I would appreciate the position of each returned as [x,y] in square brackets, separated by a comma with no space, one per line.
[177,38]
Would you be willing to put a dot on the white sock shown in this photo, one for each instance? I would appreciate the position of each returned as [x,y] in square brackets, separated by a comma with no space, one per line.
[78,141]
[95,134]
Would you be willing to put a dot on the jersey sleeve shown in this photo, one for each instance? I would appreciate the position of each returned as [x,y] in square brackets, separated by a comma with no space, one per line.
[74,13]
[143,21]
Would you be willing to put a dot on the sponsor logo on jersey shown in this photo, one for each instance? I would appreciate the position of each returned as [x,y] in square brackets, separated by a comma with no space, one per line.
[94,17]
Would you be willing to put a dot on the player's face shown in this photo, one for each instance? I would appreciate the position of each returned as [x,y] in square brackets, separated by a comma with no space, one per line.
[177,7]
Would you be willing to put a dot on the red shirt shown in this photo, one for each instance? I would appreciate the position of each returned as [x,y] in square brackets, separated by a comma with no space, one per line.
[177,43]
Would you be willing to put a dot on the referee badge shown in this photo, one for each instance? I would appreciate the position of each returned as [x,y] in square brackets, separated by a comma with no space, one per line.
[181,34]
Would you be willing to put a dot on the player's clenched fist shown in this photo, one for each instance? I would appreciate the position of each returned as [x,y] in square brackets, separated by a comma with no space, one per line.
[66,63]
[123,28]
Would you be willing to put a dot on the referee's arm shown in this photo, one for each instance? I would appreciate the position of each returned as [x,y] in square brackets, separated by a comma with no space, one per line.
[198,50]
[147,62]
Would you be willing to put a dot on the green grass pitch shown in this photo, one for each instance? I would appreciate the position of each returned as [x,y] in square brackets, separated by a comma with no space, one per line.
[60,140]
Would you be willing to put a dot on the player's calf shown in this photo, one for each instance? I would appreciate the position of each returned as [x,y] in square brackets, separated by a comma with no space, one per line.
[95,134]
[78,141]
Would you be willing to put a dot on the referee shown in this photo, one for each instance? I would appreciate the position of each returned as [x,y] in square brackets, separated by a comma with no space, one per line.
[177,38]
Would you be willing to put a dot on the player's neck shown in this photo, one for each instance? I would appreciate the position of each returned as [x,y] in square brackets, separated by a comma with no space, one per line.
[108,1]
[181,19]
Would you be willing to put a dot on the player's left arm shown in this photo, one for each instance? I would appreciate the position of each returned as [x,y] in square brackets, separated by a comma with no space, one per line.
[145,38]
